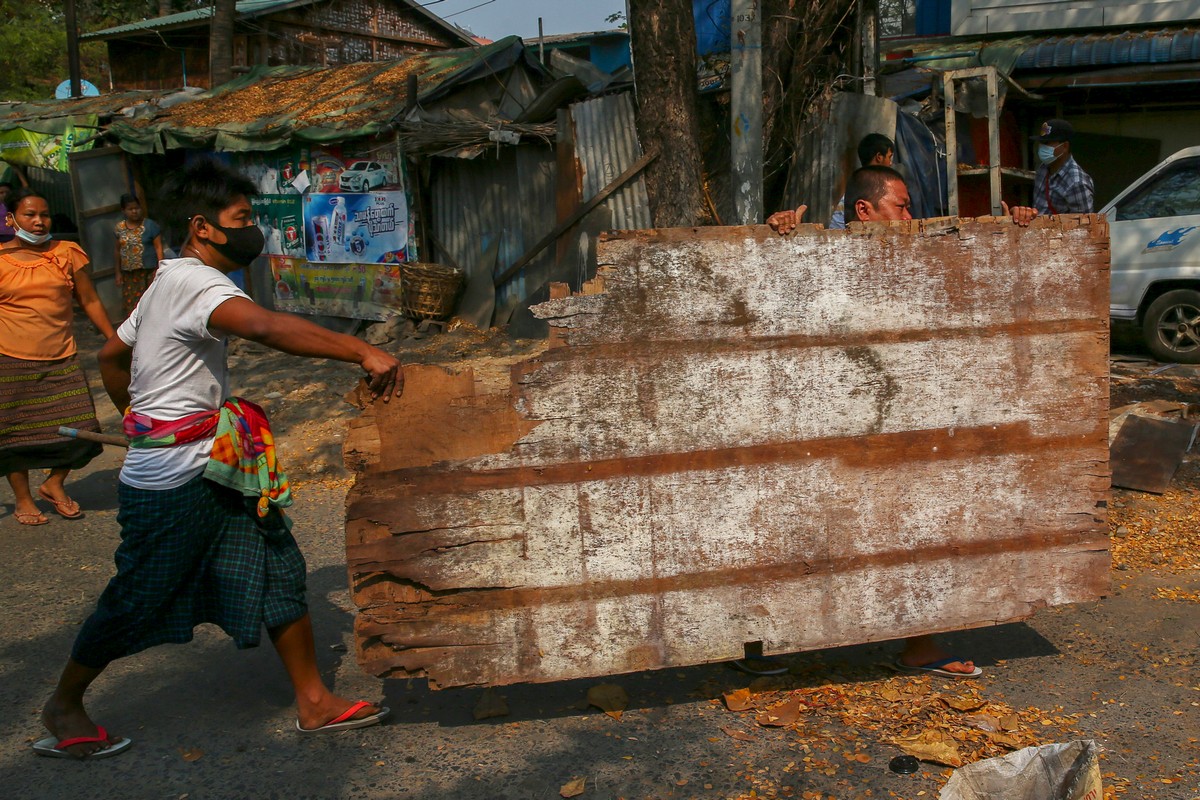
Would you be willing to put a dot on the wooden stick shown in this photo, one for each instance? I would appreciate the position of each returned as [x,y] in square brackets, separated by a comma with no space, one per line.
[102,438]
[579,214]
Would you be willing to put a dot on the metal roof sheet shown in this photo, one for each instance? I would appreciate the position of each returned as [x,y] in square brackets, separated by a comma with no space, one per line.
[1113,49]
[243,7]
[1097,49]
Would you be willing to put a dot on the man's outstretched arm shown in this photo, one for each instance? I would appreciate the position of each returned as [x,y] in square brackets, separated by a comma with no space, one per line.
[298,336]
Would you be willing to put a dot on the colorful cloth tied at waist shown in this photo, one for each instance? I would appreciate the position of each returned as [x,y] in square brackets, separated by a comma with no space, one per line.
[243,455]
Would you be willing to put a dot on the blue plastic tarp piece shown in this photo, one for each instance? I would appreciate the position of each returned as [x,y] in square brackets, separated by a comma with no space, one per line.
[712,26]
[924,170]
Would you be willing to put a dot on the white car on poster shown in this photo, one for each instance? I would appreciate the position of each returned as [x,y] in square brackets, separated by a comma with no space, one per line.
[363,176]
[1154,227]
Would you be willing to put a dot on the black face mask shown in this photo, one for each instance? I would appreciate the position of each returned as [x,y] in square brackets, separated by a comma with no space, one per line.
[242,245]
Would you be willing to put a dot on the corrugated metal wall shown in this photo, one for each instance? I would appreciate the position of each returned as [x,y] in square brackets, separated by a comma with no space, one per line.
[606,145]
[509,197]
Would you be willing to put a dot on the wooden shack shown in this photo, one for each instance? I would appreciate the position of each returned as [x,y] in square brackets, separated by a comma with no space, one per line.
[172,51]
[734,437]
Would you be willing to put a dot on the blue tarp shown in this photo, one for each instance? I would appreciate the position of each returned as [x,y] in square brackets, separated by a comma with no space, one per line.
[712,26]
[924,170]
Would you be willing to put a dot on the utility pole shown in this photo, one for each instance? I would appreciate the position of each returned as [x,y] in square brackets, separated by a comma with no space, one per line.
[746,114]
[869,43]
[73,49]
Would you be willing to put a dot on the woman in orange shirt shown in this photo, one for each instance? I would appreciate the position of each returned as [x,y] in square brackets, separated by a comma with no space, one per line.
[42,385]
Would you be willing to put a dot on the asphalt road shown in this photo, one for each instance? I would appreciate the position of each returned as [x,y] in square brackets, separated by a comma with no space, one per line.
[211,722]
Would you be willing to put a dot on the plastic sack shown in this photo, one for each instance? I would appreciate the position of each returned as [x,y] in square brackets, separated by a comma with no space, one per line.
[1068,771]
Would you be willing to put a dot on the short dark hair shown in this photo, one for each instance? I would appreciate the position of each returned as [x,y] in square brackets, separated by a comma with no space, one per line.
[126,199]
[24,193]
[204,188]
[870,184]
[874,144]
[8,184]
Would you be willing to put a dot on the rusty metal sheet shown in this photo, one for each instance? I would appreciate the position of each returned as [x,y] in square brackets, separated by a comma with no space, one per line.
[1146,452]
[808,441]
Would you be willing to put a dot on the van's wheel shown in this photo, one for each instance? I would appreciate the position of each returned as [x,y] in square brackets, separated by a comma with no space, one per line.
[1171,328]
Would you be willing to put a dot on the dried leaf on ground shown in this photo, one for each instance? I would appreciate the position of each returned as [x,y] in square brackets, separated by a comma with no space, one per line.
[1006,740]
[782,715]
[983,722]
[964,702]
[739,700]
[191,753]
[573,788]
[734,733]
[931,745]
[609,698]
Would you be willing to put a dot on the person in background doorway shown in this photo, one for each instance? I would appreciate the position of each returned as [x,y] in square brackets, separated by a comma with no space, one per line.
[6,231]
[42,385]
[875,150]
[139,248]
[1060,186]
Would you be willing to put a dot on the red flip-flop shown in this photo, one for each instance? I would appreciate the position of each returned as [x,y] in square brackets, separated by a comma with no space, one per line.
[67,509]
[52,747]
[343,721]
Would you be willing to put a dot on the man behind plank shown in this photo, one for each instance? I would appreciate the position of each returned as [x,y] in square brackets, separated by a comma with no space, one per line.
[874,194]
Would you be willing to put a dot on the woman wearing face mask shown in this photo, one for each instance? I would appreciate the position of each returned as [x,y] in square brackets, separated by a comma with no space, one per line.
[42,385]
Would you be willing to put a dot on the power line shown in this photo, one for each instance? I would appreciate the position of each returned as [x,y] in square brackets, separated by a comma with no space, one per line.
[465,10]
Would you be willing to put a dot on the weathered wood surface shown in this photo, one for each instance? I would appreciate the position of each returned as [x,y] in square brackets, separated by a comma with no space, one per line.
[810,441]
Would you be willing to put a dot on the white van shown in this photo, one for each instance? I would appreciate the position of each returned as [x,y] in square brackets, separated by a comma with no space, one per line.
[1154,227]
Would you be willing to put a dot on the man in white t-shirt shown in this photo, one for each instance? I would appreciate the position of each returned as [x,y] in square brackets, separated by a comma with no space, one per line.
[193,550]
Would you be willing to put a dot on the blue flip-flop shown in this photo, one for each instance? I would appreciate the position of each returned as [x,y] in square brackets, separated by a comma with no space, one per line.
[935,668]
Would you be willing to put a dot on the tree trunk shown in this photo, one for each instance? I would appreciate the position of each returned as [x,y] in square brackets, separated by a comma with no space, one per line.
[220,43]
[804,49]
[165,7]
[663,40]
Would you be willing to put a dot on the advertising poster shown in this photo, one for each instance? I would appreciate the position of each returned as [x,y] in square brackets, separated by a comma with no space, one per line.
[274,172]
[343,170]
[367,228]
[358,291]
[49,151]
[280,217]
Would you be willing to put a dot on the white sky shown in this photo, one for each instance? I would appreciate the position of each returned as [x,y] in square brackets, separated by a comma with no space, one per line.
[498,18]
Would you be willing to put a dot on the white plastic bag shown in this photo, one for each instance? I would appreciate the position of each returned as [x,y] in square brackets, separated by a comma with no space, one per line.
[1069,771]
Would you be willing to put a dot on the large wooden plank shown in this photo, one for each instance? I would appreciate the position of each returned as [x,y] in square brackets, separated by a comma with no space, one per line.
[806,441]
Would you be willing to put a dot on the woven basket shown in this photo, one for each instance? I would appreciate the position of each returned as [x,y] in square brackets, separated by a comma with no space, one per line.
[429,291]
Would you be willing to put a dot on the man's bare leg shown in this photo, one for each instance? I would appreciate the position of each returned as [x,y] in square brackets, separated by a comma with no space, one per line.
[64,714]
[315,704]
[921,650]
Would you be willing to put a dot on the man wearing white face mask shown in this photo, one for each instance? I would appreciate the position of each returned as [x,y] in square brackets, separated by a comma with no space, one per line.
[1060,185]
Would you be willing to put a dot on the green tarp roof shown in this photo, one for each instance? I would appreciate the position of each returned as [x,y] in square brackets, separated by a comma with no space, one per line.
[271,106]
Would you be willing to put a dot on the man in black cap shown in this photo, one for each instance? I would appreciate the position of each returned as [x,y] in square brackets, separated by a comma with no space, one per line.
[1060,185]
